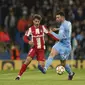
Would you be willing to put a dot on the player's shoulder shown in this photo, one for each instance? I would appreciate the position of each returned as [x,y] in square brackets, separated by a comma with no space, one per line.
[29,29]
[68,22]
[43,26]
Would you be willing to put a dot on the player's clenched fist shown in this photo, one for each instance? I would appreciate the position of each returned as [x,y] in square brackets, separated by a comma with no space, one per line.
[31,43]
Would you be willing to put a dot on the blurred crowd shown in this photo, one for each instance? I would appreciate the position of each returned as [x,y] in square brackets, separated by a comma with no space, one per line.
[16,18]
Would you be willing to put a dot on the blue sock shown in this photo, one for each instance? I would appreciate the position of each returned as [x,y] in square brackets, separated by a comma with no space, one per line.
[68,69]
[48,62]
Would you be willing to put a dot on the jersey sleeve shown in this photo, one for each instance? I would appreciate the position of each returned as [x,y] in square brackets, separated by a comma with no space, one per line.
[61,34]
[25,37]
[28,32]
[70,29]
[45,29]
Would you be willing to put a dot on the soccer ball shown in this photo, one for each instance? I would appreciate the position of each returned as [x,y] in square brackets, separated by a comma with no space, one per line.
[60,70]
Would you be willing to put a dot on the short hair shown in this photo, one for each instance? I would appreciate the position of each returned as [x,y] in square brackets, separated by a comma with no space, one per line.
[37,16]
[60,13]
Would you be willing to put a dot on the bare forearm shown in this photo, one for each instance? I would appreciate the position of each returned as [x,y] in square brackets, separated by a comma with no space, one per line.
[53,37]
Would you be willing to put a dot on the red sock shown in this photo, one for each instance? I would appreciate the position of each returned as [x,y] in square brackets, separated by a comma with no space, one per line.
[22,70]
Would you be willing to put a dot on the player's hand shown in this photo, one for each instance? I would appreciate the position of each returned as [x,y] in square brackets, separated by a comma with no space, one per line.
[54,29]
[31,43]
[50,30]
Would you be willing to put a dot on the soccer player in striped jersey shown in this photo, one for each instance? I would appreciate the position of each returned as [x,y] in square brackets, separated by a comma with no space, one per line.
[37,43]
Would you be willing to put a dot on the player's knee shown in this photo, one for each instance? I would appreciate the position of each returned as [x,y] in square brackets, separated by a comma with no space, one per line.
[53,54]
[28,60]
[63,63]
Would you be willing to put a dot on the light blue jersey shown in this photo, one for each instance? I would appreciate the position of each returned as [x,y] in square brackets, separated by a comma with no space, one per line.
[63,48]
[64,45]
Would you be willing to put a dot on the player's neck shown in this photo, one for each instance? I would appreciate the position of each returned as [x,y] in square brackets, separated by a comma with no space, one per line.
[63,20]
[36,26]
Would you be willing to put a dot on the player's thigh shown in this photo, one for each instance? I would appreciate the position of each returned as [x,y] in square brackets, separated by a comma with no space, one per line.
[56,49]
[40,55]
[64,53]
[32,52]
[53,52]
[30,56]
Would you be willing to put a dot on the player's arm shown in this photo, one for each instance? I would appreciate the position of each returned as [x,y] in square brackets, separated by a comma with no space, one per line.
[60,35]
[48,33]
[26,37]
[26,40]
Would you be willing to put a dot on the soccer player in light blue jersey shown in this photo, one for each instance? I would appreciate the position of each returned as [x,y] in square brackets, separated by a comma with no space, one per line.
[63,47]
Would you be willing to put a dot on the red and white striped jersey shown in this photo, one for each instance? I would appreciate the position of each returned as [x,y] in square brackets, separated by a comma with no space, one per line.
[37,36]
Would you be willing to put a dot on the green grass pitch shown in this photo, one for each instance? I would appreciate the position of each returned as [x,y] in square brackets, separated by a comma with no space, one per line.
[35,77]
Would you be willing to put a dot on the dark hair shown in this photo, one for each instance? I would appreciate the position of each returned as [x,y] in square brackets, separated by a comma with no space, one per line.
[60,13]
[37,16]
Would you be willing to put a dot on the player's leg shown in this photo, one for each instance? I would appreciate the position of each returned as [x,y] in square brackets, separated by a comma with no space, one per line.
[68,69]
[26,63]
[53,53]
[41,65]
[24,66]
[41,59]
[50,58]
[63,57]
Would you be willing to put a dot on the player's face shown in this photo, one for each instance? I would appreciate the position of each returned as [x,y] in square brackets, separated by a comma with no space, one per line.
[36,22]
[58,18]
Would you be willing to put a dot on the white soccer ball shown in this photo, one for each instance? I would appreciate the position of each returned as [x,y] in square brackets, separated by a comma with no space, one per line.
[60,70]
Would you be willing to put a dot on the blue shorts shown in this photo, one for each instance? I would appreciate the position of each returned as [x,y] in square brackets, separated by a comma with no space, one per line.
[63,51]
